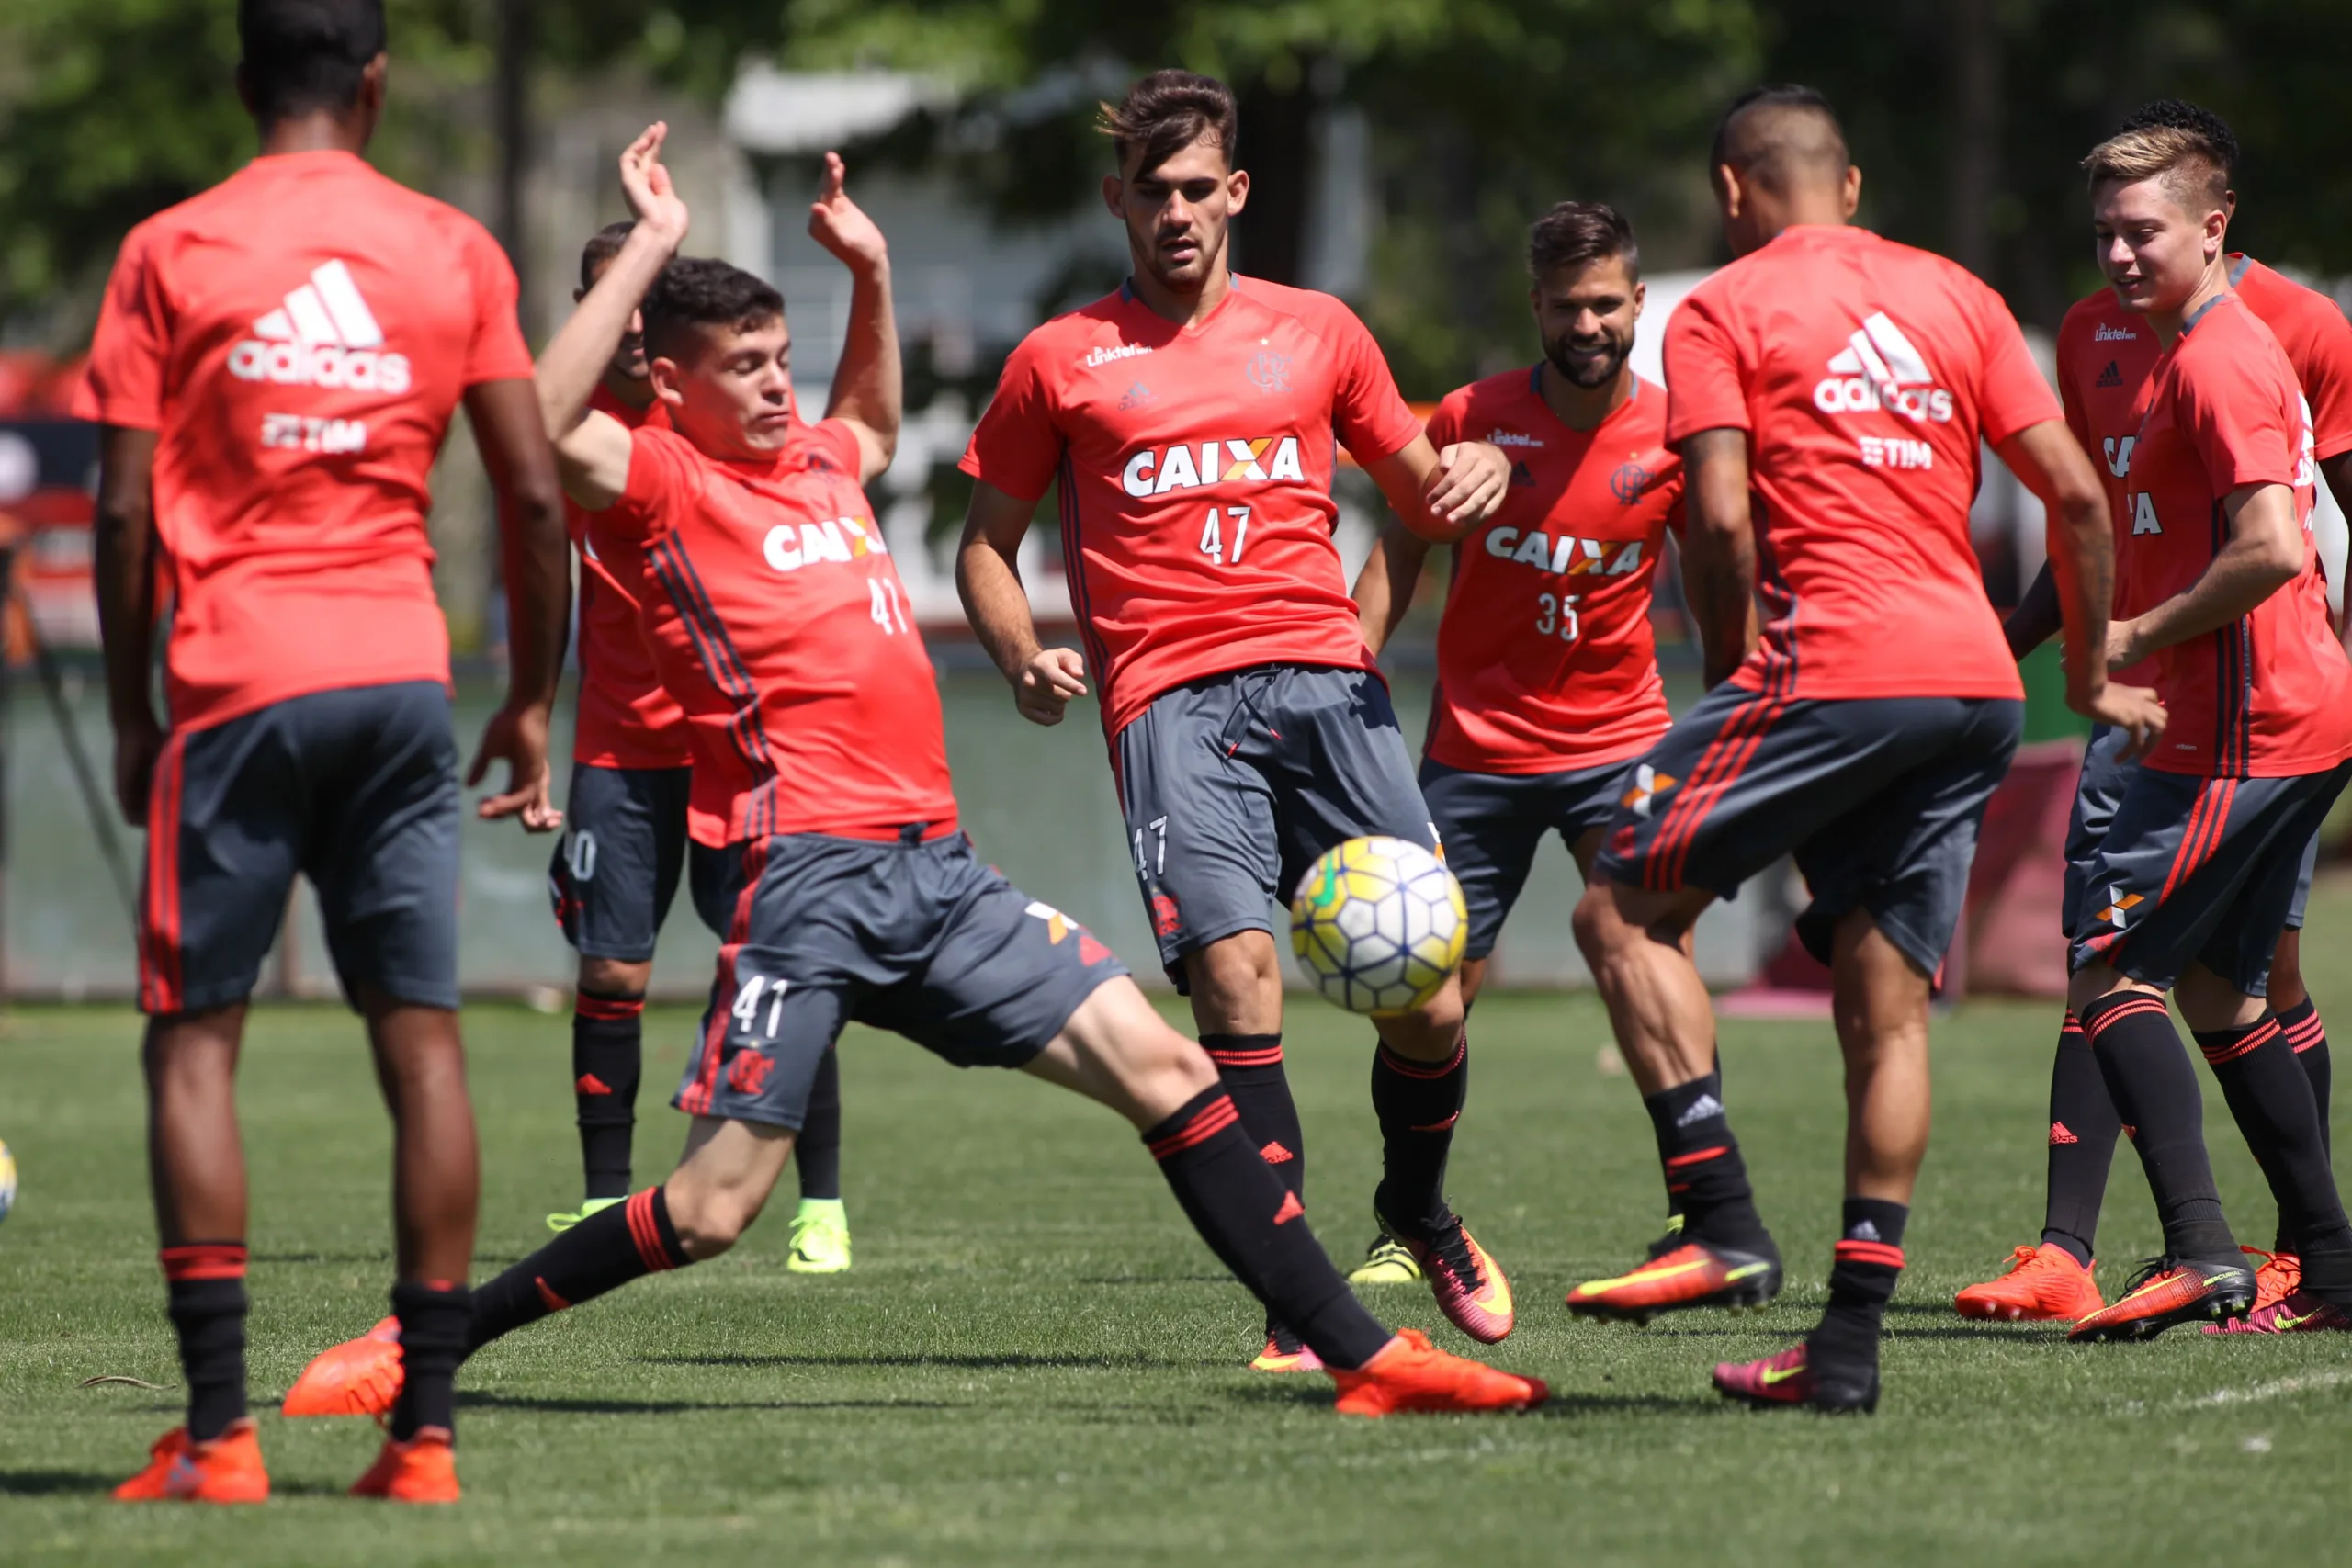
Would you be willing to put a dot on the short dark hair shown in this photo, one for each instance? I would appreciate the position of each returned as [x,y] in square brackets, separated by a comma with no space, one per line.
[301,55]
[702,291]
[2179,114]
[1769,131]
[1167,112]
[1576,234]
[602,247]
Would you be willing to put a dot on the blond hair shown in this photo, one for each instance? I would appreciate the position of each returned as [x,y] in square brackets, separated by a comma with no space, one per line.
[2192,169]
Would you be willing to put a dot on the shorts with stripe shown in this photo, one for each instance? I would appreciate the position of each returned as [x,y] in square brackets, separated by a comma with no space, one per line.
[1878,799]
[1492,823]
[616,867]
[2200,870]
[2096,794]
[912,934]
[354,788]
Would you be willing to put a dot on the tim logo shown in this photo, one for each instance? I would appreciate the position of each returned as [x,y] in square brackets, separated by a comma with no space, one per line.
[1269,371]
[1628,483]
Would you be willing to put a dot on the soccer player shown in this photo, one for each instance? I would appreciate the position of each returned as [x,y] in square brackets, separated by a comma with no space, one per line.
[2192,881]
[275,365]
[1547,689]
[1188,421]
[783,630]
[628,818]
[1846,382]
[2105,352]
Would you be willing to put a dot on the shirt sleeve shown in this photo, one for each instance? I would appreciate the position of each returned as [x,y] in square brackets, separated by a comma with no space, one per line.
[2012,395]
[2233,410]
[123,383]
[1370,414]
[2324,364]
[1705,383]
[834,441]
[1444,427]
[661,478]
[1017,445]
[496,351]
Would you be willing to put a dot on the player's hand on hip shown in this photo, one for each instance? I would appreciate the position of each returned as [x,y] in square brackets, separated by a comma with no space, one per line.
[138,746]
[517,736]
[841,226]
[1046,683]
[2123,644]
[2136,711]
[653,202]
[1468,485]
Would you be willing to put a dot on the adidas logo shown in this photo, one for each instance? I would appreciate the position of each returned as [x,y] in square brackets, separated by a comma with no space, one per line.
[1866,1230]
[1274,1154]
[322,335]
[590,1083]
[1292,1208]
[1880,369]
[2111,376]
[1521,475]
[2058,1134]
[1699,1110]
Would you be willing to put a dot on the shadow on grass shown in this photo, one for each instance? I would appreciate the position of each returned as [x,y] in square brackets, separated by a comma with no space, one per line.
[52,1482]
[564,1407]
[1153,1280]
[1013,1362]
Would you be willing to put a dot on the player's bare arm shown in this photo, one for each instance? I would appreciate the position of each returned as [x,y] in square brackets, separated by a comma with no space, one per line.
[1384,589]
[2037,618]
[988,579]
[2264,554]
[592,450]
[869,382]
[1719,549]
[124,542]
[504,417]
[1443,495]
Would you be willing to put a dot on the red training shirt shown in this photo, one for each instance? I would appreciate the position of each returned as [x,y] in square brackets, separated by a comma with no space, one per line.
[1546,658]
[1195,471]
[2268,695]
[298,337]
[780,627]
[1864,373]
[625,719]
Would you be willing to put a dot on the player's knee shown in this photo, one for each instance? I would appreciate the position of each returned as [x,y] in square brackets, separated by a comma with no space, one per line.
[613,977]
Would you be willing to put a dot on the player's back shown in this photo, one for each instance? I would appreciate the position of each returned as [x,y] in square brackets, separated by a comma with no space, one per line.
[298,336]
[1865,374]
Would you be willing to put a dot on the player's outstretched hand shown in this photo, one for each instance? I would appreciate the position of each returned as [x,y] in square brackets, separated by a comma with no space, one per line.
[1467,484]
[841,225]
[517,736]
[1046,683]
[2136,711]
[653,202]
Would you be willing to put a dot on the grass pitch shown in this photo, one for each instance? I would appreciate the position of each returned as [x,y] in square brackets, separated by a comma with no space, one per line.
[1034,1360]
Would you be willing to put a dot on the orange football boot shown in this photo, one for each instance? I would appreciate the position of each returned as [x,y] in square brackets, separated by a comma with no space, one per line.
[2168,1291]
[2042,1284]
[422,1470]
[1410,1373]
[1469,1285]
[1695,1274]
[226,1470]
[2280,1276]
[358,1377]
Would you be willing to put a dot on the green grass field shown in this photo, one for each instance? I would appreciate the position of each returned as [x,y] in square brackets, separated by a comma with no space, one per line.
[1035,1360]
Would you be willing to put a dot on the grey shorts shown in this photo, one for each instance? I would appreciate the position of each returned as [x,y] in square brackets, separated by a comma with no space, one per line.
[616,868]
[914,936]
[1233,785]
[1492,824]
[354,788]
[1879,798]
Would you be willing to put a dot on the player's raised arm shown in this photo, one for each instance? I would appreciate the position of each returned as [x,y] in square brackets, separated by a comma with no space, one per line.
[592,450]
[988,579]
[1441,495]
[1719,548]
[869,383]
[1384,589]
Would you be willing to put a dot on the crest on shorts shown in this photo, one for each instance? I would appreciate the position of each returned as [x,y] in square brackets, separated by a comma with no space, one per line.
[2119,904]
[1647,783]
[1058,928]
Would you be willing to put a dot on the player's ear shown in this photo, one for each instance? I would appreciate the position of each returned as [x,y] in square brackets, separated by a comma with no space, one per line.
[1641,297]
[1115,195]
[666,377]
[1236,191]
[372,76]
[1850,199]
[1729,192]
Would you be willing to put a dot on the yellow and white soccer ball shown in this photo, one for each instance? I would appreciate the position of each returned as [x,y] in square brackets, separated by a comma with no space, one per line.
[7,1181]
[1378,923]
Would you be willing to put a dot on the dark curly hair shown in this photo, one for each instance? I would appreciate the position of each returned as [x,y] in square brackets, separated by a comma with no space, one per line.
[2179,114]
[702,291]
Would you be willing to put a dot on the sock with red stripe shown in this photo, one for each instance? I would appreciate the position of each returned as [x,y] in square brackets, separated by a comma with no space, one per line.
[1706,1181]
[607,1058]
[2083,1130]
[1257,1228]
[2155,1093]
[2271,1101]
[1862,1281]
[603,1252]
[817,1152]
[207,1283]
[1251,1068]
[1417,1104]
[434,1315]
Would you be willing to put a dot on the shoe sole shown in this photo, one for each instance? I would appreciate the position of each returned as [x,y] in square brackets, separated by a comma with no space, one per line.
[1865,1405]
[2011,1313]
[2217,1308]
[1743,1297]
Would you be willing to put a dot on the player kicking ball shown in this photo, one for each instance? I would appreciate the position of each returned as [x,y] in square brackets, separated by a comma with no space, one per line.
[784,633]
[630,816]
[1188,421]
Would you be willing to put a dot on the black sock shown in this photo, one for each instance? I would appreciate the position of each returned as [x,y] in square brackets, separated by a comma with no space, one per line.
[1706,1182]
[1417,1104]
[434,1315]
[1257,1228]
[2083,1128]
[817,1150]
[2270,1099]
[603,1252]
[1862,1281]
[207,1283]
[607,1058]
[2155,1093]
[2308,1035]
[1251,1068]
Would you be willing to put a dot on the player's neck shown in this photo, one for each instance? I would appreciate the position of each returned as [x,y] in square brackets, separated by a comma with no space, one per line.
[2170,324]
[1184,310]
[320,130]
[1583,408]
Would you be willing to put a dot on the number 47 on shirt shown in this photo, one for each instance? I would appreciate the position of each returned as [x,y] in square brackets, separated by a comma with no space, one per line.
[1213,536]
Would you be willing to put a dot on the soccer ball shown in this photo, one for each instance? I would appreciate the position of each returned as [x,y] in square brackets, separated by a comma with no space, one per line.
[7,1181]
[1379,924]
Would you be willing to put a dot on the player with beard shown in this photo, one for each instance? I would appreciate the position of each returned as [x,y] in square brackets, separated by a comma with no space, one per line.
[1547,690]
